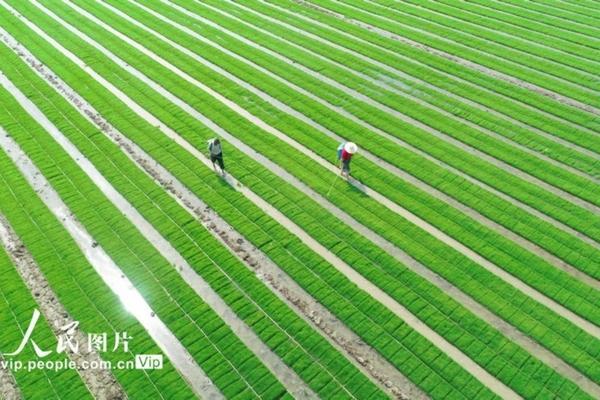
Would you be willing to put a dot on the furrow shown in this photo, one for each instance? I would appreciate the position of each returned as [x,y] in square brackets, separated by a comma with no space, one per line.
[292,382]
[111,274]
[101,382]
[461,61]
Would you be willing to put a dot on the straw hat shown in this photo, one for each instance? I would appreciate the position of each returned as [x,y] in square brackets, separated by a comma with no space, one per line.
[351,147]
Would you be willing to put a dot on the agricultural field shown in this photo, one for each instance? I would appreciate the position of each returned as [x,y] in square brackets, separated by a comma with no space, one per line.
[458,259]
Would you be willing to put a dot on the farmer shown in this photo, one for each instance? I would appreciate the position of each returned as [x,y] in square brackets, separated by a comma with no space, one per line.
[345,152]
[216,154]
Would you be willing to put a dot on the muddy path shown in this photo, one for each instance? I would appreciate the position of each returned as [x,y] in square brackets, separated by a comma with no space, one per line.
[101,382]
[9,390]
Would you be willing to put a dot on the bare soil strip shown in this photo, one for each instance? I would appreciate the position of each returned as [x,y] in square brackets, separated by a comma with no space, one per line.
[393,139]
[365,358]
[584,324]
[391,84]
[366,285]
[113,276]
[440,135]
[498,75]
[287,376]
[101,382]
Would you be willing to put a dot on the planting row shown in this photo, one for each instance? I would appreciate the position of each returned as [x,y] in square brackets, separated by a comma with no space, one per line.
[433,69]
[443,84]
[558,36]
[497,32]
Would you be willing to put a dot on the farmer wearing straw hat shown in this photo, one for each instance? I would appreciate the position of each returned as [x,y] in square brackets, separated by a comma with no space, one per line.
[345,153]
[216,154]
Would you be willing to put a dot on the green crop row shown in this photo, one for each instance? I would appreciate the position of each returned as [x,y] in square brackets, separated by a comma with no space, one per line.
[530,194]
[562,16]
[494,32]
[16,310]
[433,68]
[474,93]
[291,338]
[410,352]
[180,118]
[470,47]
[548,236]
[216,348]
[532,29]
[85,296]
[545,277]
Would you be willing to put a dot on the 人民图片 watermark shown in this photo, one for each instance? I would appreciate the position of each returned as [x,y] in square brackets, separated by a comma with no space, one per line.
[116,342]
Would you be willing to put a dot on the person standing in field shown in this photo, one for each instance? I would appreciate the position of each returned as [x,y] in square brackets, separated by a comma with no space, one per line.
[216,154]
[345,152]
